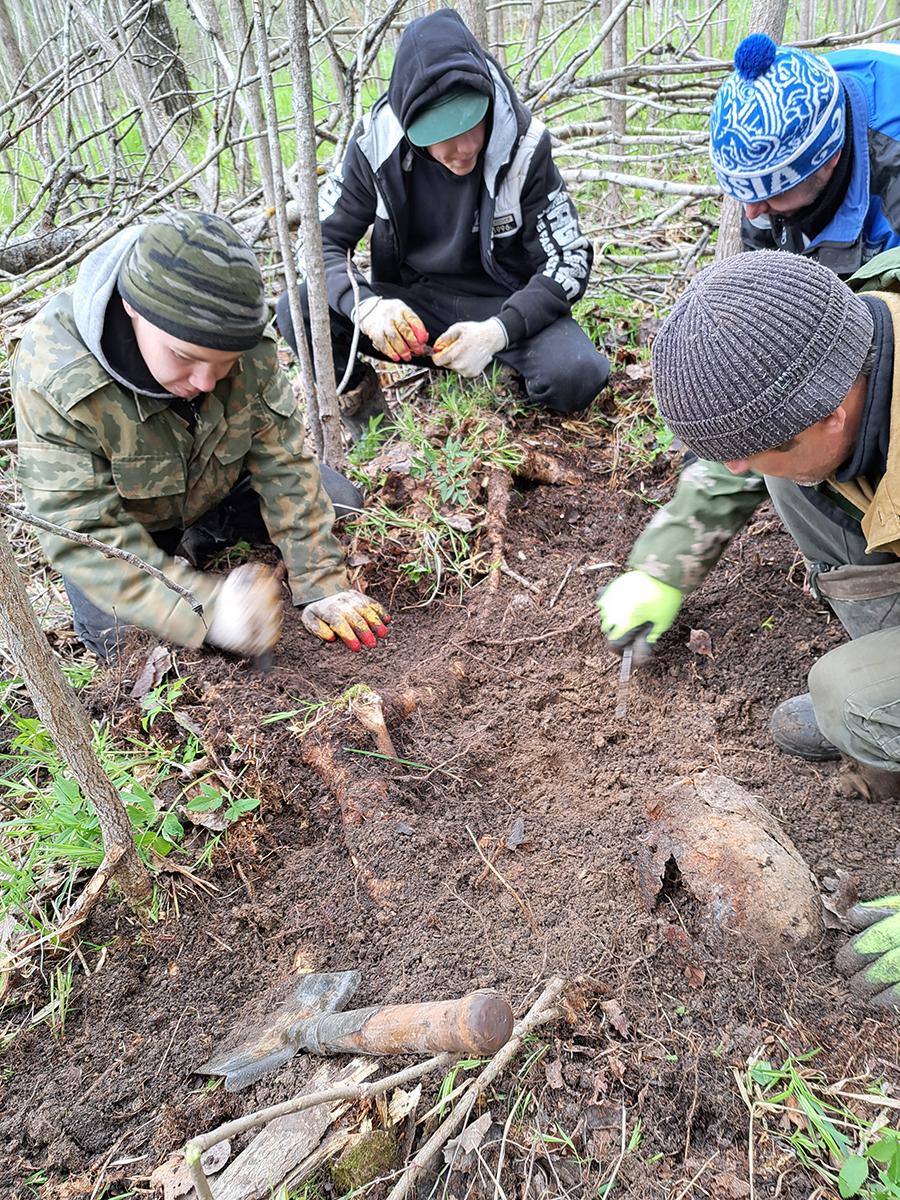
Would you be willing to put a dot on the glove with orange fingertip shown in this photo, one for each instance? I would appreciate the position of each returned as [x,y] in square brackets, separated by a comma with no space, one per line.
[354,618]
[393,328]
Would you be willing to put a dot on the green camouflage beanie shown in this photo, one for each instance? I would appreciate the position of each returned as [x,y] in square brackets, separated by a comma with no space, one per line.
[192,275]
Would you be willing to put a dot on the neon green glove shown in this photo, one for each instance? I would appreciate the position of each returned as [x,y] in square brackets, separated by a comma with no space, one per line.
[872,957]
[636,609]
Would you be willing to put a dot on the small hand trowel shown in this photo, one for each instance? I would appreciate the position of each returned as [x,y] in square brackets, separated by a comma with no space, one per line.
[310,1019]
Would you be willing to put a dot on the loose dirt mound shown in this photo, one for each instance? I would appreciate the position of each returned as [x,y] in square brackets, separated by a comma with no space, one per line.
[527,769]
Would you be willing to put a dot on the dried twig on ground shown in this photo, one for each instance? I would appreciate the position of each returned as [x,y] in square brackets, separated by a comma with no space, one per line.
[506,569]
[536,637]
[84,539]
[498,493]
[523,904]
[361,1091]
[561,586]
[541,1012]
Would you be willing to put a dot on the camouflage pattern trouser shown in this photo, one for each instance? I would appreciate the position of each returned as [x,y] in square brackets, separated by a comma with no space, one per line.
[560,366]
[855,688]
[236,518]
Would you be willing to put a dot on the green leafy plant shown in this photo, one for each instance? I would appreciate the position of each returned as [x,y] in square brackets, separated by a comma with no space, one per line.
[50,831]
[161,699]
[56,1009]
[231,556]
[449,468]
[212,799]
[880,1161]
[451,1082]
[433,536]
[645,441]
[373,438]
[857,1155]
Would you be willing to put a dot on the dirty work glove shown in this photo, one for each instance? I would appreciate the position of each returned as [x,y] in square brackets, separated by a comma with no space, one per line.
[349,615]
[392,327]
[468,346]
[872,957]
[636,609]
[247,612]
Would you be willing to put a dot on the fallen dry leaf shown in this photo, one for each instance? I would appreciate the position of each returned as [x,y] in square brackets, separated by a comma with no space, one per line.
[617,1067]
[517,836]
[729,1186]
[553,1073]
[616,1017]
[639,371]
[173,1177]
[459,521]
[695,976]
[470,1139]
[156,666]
[839,896]
[700,643]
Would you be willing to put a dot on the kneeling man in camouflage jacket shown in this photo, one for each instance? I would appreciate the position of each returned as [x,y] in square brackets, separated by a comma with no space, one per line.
[152,414]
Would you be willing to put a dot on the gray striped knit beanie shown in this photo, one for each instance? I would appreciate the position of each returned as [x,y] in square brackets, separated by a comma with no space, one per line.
[192,275]
[760,347]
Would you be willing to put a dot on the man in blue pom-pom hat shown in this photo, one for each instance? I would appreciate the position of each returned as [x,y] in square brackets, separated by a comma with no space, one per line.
[809,146]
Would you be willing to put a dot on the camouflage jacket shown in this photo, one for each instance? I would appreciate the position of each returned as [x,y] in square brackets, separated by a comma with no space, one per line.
[685,538]
[106,461]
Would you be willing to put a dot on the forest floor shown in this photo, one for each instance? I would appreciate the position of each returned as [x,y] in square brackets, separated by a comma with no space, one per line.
[510,754]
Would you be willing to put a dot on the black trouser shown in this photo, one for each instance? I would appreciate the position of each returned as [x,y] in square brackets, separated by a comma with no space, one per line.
[560,366]
[236,518]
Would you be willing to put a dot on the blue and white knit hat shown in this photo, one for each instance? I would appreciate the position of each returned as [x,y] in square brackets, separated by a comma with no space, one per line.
[775,120]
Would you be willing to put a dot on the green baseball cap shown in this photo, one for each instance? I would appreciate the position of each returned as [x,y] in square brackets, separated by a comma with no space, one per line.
[454,113]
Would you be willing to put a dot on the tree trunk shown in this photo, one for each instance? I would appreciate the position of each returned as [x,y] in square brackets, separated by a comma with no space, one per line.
[252,100]
[163,66]
[60,711]
[766,16]
[157,138]
[618,109]
[474,13]
[311,233]
[14,70]
[497,27]
[533,30]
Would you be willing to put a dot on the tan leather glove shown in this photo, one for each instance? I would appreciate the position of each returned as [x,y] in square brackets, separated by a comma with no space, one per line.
[247,611]
[351,616]
[392,327]
[468,346]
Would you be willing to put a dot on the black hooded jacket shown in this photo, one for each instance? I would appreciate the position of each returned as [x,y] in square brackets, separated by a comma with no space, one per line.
[530,240]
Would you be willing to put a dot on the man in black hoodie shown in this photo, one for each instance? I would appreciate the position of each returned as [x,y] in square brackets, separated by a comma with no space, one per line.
[475,242]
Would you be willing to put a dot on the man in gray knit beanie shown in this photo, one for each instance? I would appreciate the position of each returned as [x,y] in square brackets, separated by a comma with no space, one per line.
[781,379]
[759,349]
[786,382]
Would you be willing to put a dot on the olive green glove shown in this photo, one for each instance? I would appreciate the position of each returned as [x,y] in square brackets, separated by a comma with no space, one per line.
[872,957]
[636,610]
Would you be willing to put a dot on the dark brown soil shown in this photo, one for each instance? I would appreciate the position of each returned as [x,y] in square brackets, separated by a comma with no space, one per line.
[519,727]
